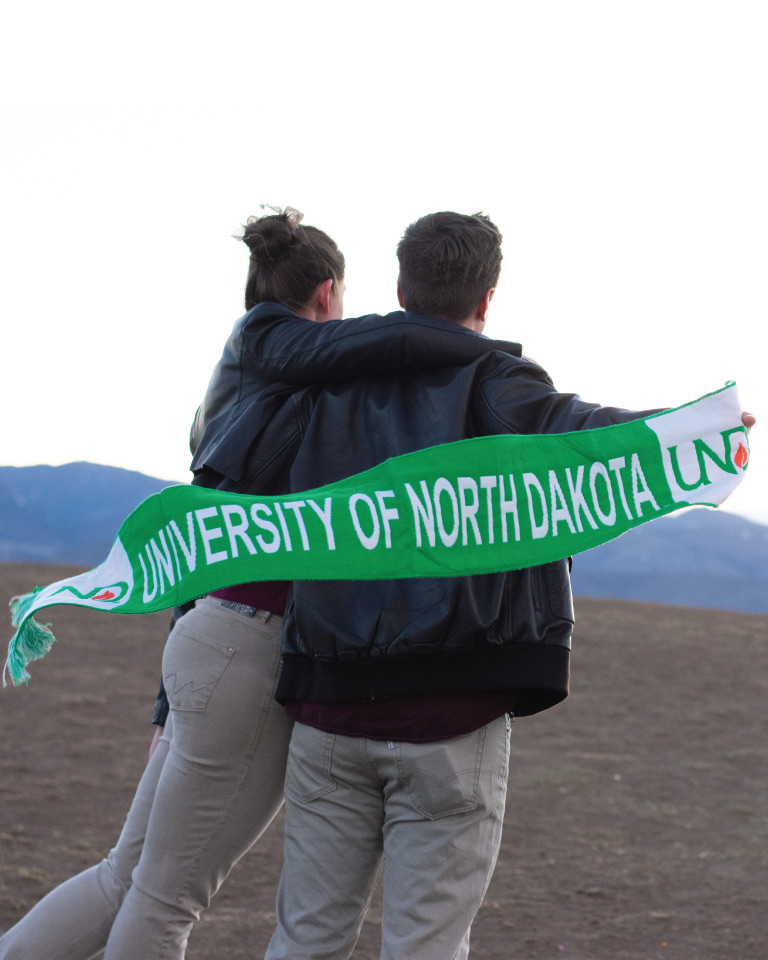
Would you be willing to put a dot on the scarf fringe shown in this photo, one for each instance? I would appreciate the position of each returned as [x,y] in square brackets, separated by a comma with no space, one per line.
[30,642]
[20,605]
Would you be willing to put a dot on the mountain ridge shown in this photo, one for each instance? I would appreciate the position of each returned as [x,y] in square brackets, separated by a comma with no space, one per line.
[69,513]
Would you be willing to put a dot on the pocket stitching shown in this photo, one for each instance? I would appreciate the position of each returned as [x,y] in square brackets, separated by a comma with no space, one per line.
[469,804]
[172,689]
[325,770]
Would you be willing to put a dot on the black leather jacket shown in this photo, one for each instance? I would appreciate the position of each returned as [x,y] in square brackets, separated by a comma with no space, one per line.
[271,345]
[356,641]
[248,420]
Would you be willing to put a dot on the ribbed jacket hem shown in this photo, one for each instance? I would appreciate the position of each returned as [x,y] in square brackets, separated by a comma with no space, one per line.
[537,673]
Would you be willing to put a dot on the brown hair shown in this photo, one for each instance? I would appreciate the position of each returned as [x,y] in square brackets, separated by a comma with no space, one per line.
[288,260]
[447,262]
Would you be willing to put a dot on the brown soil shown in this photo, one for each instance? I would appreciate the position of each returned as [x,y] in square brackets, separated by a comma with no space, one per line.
[637,813]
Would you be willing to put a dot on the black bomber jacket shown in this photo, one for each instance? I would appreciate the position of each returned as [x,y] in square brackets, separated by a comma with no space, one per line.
[245,428]
[356,641]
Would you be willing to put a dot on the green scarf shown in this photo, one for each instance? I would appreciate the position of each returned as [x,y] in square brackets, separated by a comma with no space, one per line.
[475,506]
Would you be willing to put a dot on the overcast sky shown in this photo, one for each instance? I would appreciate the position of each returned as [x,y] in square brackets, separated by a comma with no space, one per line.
[621,147]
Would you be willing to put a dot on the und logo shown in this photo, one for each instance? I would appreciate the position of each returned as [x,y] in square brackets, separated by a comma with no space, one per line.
[705,469]
[705,456]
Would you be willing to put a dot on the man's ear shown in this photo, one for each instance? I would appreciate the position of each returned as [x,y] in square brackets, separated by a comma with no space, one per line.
[400,293]
[481,313]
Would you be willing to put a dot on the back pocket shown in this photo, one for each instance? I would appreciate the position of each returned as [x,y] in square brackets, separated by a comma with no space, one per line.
[442,778]
[308,775]
[192,667]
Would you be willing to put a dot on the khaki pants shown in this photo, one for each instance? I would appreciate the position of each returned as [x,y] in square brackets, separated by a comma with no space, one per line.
[428,817]
[73,921]
[210,790]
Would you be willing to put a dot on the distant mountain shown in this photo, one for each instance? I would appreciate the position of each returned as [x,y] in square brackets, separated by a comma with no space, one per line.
[699,558]
[67,514]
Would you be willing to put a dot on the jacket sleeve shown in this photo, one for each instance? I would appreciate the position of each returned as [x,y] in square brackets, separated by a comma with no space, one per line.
[162,707]
[522,399]
[304,353]
[272,345]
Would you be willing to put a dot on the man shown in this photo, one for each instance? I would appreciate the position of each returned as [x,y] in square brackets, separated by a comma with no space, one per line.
[402,690]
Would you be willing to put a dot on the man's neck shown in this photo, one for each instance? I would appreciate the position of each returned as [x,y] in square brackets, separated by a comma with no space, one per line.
[475,324]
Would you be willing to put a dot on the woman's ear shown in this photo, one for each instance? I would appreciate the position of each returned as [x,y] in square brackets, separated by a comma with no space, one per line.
[323,295]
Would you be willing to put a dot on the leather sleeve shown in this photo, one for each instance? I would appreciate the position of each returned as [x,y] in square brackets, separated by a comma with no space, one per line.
[305,353]
[162,707]
[196,430]
[272,345]
[525,401]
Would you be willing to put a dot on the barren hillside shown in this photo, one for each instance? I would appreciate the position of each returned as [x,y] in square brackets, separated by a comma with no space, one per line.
[637,814]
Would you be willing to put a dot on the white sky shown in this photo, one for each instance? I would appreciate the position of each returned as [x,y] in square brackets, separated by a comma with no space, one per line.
[622,148]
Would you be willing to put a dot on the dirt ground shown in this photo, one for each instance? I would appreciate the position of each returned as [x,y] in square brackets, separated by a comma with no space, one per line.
[637,812]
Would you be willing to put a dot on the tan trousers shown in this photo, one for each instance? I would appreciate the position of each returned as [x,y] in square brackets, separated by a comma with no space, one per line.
[428,817]
[210,790]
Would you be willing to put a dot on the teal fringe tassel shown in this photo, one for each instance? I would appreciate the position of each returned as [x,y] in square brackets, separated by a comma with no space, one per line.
[21,604]
[30,642]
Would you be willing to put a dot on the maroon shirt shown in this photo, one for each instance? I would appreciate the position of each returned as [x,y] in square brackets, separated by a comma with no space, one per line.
[416,720]
[271,595]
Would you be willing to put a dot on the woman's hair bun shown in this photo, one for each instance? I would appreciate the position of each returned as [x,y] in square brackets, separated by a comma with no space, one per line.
[271,236]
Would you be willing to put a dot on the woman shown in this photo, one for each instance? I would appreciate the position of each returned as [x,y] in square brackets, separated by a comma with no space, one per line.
[215,781]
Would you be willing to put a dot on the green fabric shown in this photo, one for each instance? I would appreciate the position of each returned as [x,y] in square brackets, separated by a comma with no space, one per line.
[475,506]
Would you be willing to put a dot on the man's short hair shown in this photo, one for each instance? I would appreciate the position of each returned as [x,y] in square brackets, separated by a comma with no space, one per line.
[447,262]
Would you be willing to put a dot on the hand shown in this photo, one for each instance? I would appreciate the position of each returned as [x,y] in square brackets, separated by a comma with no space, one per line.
[748,420]
[155,740]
